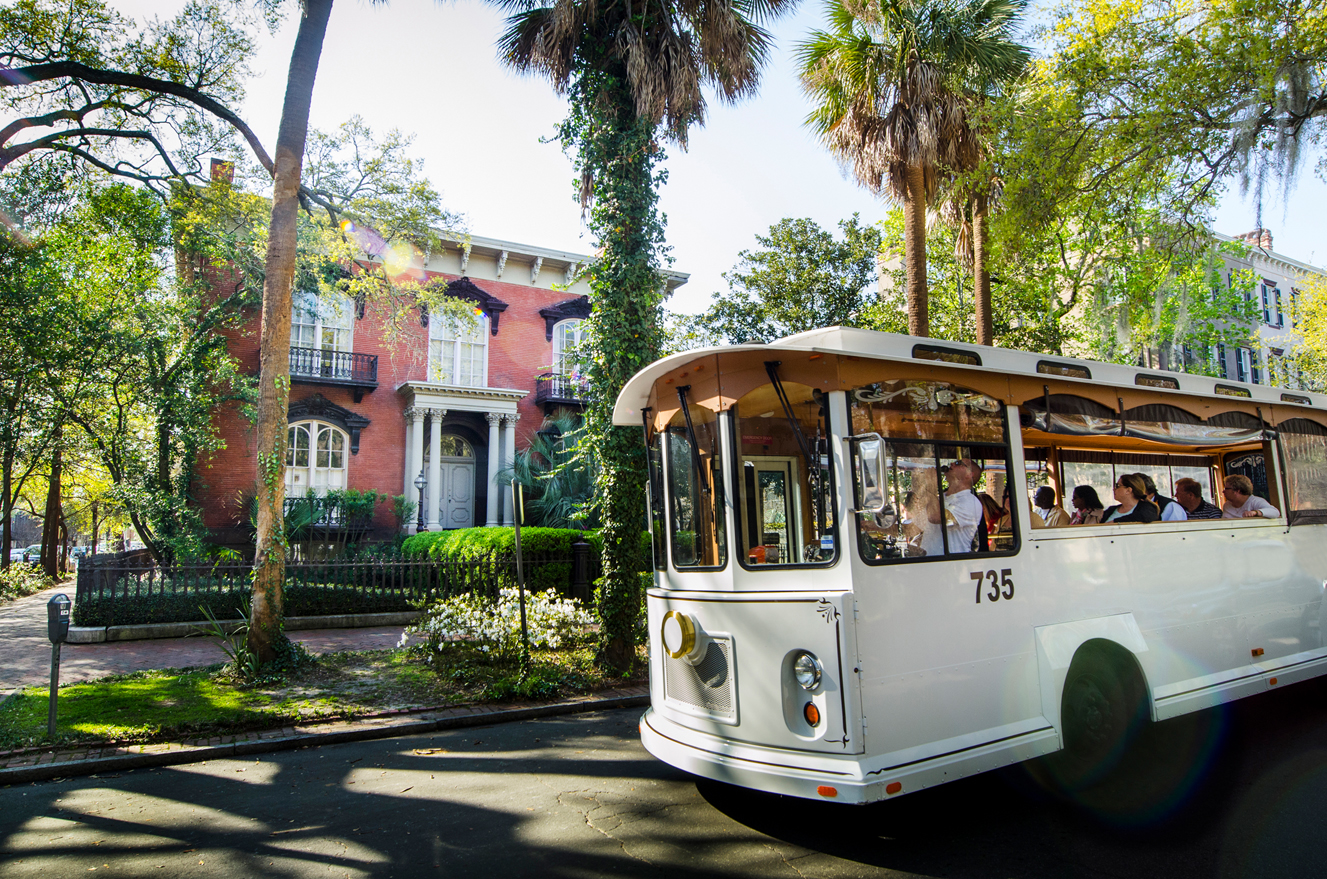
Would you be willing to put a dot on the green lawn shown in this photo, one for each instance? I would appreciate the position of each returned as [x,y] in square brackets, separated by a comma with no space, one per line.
[185,703]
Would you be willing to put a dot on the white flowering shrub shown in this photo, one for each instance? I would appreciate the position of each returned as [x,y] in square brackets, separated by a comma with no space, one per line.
[472,622]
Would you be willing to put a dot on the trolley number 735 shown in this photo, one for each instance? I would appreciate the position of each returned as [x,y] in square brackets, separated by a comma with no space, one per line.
[994,586]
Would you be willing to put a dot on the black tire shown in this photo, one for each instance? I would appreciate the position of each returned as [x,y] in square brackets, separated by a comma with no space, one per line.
[1102,710]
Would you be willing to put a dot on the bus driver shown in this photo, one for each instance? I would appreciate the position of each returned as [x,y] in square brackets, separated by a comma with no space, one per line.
[963,511]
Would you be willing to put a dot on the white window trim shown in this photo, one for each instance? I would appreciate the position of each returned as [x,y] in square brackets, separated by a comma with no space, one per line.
[437,325]
[314,428]
[559,355]
[343,304]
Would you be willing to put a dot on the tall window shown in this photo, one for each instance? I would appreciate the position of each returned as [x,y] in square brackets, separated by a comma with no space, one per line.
[458,351]
[315,458]
[325,323]
[567,337]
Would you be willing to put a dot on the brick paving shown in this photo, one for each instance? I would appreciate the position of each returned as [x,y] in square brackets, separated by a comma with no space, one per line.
[25,654]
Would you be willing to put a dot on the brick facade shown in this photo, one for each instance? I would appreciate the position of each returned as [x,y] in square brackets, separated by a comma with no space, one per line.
[528,280]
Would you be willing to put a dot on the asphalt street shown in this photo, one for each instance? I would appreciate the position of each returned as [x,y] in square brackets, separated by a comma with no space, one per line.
[578,796]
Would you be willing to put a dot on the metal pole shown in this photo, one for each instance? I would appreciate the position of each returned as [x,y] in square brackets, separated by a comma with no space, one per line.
[518,496]
[55,686]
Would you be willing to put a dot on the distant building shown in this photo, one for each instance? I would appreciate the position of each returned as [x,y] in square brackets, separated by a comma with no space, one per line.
[1275,297]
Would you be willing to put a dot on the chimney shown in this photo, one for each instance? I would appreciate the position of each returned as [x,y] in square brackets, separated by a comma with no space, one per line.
[223,171]
[1258,238]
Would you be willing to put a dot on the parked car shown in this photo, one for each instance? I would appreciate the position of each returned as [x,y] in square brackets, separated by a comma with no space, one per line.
[32,555]
[16,555]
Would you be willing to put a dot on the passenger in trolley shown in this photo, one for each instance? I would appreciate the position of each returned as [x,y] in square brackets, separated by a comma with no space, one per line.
[835,615]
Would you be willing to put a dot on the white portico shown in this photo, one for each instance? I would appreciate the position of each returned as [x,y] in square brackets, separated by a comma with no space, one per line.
[448,430]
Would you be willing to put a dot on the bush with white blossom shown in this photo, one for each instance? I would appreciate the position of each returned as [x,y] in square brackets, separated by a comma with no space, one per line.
[473,622]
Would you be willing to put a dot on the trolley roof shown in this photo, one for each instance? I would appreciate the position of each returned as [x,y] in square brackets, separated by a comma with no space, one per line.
[1022,375]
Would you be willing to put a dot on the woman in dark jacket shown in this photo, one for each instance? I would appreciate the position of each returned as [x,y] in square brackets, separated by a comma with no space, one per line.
[1132,504]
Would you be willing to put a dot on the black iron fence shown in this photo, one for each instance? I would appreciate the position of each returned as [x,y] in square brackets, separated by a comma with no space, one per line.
[112,593]
[553,387]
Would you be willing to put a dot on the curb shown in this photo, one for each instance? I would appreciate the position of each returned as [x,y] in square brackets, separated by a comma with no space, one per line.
[147,631]
[330,733]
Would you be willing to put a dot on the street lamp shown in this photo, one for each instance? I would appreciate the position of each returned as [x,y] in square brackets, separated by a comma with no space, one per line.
[420,482]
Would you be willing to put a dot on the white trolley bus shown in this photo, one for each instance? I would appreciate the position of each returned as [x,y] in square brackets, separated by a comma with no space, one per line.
[816,629]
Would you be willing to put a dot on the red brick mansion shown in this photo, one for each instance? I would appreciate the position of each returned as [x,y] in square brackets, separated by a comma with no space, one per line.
[449,402]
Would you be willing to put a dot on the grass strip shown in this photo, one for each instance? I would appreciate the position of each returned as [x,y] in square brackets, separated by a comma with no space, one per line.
[174,704]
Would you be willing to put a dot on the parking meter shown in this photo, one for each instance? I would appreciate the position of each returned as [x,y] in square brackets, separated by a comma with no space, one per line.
[57,630]
[57,618]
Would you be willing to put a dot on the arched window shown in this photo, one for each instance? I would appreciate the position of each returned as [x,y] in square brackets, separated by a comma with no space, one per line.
[567,338]
[458,351]
[315,458]
[323,323]
[450,446]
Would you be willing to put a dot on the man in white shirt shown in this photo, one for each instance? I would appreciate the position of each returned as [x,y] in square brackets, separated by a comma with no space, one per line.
[962,511]
[1171,511]
[1242,503]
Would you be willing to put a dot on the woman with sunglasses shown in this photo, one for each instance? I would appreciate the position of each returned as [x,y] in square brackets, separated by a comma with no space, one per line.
[1131,503]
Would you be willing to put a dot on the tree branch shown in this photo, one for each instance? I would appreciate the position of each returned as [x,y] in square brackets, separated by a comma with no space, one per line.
[74,70]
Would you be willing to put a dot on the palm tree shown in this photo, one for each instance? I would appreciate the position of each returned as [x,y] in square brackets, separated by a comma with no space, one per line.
[966,207]
[890,83]
[629,70]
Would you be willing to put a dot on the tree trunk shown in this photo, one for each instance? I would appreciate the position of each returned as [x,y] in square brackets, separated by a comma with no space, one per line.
[914,252]
[981,278]
[50,530]
[6,505]
[274,371]
[626,290]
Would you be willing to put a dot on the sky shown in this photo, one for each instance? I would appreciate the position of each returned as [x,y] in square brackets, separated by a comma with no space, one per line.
[430,69]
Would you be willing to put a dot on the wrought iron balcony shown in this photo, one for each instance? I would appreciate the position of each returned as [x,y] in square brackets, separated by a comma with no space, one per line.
[554,389]
[317,366]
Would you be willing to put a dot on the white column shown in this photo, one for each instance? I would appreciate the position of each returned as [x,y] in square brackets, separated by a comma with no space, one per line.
[508,458]
[494,463]
[435,469]
[414,458]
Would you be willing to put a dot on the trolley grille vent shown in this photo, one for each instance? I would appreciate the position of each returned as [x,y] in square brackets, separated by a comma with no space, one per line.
[707,686]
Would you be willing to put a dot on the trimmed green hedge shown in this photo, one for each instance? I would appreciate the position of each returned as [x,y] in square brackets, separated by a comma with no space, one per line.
[183,607]
[548,551]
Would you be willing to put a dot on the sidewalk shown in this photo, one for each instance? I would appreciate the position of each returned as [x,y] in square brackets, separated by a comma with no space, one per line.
[25,659]
[25,654]
[38,764]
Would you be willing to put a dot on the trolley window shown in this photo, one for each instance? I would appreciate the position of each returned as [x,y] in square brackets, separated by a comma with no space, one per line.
[925,454]
[784,481]
[695,487]
[658,528]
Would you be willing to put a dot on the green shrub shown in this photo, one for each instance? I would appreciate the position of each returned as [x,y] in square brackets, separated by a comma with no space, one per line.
[21,579]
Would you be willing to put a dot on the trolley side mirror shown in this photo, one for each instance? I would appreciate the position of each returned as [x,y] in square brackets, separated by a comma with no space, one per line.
[870,461]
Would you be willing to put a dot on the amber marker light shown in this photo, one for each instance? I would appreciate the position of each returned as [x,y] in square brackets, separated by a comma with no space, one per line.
[1257,651]
[1272,682]
[893,787]
[811,713]
[826,791]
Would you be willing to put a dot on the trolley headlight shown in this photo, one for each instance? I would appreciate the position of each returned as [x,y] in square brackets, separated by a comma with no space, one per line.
[807,669]
[678,634]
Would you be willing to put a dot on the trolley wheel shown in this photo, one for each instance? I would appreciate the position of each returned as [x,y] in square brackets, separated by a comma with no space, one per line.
[1102,711]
